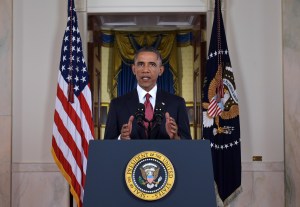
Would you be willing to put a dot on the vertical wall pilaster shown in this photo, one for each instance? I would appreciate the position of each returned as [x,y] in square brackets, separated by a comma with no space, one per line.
[5,101]
[291,74]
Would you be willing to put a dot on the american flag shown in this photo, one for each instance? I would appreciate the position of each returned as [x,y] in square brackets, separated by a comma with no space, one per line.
[73,126]
[221,114]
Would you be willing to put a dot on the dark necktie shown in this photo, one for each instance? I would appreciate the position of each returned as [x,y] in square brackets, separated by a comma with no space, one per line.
[148,109]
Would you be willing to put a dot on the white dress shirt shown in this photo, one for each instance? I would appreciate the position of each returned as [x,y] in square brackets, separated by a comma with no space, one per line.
[142,95]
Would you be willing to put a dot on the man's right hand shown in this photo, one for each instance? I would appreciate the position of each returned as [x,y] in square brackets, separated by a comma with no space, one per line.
[126,129]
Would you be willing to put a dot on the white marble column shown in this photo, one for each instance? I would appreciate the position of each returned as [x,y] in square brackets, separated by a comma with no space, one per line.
[291,75]
[5,101]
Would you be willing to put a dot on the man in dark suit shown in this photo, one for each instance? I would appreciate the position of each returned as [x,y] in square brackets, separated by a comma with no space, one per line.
[121,122]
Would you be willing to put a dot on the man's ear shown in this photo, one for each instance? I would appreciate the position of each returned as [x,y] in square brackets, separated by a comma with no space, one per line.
[133,69]
[161,70]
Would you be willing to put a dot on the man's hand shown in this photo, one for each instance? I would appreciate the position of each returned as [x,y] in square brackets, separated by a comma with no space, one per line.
[171,127]
[126,129]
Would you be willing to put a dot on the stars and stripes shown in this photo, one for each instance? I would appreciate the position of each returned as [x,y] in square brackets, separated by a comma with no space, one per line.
[221,114]
[214,109]
[215,106]
[73,126]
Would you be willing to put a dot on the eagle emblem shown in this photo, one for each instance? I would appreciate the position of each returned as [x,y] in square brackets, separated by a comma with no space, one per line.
[150,173]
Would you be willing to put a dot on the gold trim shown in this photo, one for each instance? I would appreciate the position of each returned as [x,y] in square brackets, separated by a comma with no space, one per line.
[153,194]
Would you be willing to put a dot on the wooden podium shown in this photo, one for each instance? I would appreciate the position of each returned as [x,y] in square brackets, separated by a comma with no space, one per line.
[108,159]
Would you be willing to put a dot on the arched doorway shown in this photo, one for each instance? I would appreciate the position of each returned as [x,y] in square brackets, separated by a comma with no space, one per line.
[190,31]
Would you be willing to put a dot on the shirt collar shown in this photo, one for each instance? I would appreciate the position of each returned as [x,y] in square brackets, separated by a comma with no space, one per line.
[142,93]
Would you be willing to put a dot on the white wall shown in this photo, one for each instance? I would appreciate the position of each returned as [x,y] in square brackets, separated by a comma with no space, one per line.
[254,40]
[254,37]
[38,29]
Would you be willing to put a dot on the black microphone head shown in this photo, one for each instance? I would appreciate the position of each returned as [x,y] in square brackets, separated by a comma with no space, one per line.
[158,113]
[140,114]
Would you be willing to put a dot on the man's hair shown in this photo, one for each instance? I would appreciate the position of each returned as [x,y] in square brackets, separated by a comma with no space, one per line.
[148,49]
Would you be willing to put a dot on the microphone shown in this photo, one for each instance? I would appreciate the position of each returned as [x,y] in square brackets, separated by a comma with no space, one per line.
[158,115]
[140,114]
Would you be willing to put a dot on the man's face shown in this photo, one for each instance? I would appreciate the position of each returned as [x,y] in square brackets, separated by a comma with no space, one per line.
[147,68]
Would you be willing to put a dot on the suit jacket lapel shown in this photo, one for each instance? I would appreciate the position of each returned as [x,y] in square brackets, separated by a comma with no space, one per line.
[161,99]
[132,101]
[132,104]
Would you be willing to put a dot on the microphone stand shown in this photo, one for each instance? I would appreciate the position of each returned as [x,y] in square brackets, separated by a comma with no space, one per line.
[152,125]
[149,128]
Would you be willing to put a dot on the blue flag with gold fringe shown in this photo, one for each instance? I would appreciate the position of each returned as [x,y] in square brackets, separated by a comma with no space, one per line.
[221,114]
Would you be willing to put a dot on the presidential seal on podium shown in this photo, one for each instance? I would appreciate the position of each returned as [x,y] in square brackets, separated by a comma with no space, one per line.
[149,175]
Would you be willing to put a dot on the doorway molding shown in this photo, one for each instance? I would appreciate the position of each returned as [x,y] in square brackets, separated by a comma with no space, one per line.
[137,6]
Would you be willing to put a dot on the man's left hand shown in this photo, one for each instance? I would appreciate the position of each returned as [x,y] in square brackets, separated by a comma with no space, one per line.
[171,127]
